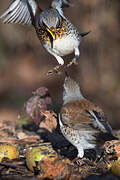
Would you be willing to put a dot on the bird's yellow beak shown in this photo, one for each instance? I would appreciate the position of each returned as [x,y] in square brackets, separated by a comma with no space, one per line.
[52,33]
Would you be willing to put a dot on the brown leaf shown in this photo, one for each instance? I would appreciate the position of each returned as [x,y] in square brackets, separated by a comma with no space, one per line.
[50,122]
[112,148]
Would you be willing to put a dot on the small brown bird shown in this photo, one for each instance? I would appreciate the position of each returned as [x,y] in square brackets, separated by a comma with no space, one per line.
[56,33]
[82,123]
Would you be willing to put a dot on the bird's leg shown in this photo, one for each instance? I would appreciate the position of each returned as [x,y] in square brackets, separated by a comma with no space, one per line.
[75,59]
[80,152]
[81,159]
[56,68]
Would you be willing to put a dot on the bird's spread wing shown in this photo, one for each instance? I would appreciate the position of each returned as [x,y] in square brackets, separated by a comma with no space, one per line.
[19,12]
[59,4]
[85,115]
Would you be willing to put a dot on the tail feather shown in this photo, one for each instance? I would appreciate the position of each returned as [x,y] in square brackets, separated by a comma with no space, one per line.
[84,33]
[66,3]
[59,4]
[71,90]
[102,137]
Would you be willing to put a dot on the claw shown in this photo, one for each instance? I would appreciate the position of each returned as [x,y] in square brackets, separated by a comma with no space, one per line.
[58,68]
[79,162]
[74,61]
[54,70]
[83,161]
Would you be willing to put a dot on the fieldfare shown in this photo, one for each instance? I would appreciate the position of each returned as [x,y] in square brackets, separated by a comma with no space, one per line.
[56,33]
[82,123]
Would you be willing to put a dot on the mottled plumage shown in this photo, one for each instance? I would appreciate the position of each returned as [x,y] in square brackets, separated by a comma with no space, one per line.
[56,33]
[82,122]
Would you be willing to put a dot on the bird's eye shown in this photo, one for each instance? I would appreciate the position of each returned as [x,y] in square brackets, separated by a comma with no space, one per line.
[42,25]
[52,28]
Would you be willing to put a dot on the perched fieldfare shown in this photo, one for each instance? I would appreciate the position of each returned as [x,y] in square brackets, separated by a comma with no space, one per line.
[56,33]
[82,123]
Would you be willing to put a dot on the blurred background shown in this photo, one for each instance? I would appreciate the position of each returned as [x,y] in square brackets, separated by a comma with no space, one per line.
[24,63]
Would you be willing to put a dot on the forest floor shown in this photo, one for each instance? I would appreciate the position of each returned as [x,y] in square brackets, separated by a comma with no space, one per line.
[32,147]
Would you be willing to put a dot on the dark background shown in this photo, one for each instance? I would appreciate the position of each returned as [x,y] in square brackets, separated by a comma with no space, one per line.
[24,63]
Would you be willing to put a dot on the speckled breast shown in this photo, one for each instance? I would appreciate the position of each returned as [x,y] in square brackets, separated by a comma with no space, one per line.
[65,40]
[44,36]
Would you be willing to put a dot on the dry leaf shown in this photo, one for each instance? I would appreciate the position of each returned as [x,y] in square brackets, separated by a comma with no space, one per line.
[50,121]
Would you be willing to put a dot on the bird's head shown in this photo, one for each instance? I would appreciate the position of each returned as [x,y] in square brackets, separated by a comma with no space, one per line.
[50,20]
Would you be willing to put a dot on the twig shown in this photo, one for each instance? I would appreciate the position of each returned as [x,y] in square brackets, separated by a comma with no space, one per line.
[12,166]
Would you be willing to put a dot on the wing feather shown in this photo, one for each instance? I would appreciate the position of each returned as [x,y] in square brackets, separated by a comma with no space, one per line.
[19,12]
[15,18]
[10,9]
[10,15]
[59,4]
[23,17]
[85,115]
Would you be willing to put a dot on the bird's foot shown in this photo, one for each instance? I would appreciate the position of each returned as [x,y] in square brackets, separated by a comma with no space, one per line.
[82,161]
[56,70]
[74,61]
[78,162]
